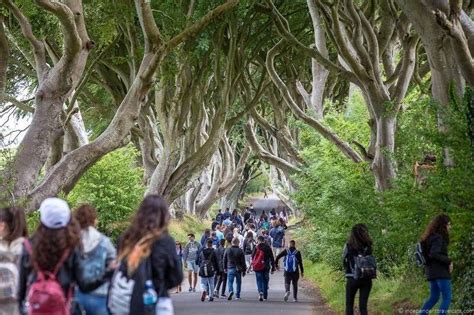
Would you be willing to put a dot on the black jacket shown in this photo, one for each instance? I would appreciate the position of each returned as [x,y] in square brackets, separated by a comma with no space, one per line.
[248,247]
[438,261]
[165,269]
[269,258]
[68,275]
[220,251]
[348,255]
[207,254]
[234,258]
[298,258]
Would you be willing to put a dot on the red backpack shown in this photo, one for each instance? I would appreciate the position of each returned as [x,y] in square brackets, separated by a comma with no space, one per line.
[258,261]
[45,295]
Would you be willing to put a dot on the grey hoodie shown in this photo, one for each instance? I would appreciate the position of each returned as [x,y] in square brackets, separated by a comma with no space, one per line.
[91,238]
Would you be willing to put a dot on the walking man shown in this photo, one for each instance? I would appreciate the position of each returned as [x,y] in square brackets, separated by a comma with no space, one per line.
[208,266]
[234,262]
[221,276]
[262,263]
[190,254]
[293,265]
[277,234]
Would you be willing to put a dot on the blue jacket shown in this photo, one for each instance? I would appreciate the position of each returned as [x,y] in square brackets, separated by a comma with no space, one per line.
[278,234]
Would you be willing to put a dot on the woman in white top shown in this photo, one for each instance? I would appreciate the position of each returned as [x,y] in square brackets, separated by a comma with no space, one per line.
[13,230]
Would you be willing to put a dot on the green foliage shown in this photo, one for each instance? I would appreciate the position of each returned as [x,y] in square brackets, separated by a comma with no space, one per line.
[335,193]
[114,186]
[257,184]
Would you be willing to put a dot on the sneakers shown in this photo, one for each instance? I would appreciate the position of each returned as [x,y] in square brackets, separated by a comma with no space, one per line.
[203,296]
[211,299]
[261,297]
[295,300]
[231,294]
[194,289]
[287,294]
[190,289]
[238,299]
[223,295]
[216,295]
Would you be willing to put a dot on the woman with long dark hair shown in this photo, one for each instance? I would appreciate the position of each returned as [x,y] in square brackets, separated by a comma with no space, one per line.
[147,255]
[359,243]
[12,233]
[435,241]
[54,249]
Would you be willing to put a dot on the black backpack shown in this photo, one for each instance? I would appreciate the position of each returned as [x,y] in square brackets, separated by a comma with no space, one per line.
[206,268]
[365,266]
[420,258]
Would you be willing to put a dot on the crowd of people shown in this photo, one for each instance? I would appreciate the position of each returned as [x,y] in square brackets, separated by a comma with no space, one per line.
[238,244]
[68,267]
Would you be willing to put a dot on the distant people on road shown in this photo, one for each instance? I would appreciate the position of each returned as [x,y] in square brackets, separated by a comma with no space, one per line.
[284,215]
[264,224]
[263,263]
[247,215]
[293,265]
[219,233]
[273,215]
[219,216]
[205,236]
[249,246]
[282,223]
[439,266]
[146,255]
[239,237]
[53,249]
[358,244]
[234,263]
[221,276]
[98,254]
[190,254]
[226,215]
[207,262]
[265,195]
[277,234]
[13,231]
[179,253]
[267,238]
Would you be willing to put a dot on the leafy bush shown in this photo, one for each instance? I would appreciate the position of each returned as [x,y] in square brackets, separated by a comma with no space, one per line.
[114,186]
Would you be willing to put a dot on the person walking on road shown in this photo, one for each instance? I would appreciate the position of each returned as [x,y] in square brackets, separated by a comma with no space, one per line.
[234,262]
[277,234]
[293,265]
[221,276]
[190,254]
[439,266]
[249,246]
[263,263]
[207,262]
[359,244]
[179,253]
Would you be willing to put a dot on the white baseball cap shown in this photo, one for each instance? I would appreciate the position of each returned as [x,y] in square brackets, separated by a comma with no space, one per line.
[54,213]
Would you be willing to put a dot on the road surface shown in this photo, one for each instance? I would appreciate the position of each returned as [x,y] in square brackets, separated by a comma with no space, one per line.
[186,303]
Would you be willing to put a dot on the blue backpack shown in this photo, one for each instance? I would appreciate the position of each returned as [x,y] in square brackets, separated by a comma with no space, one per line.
[94,263]
[291,262]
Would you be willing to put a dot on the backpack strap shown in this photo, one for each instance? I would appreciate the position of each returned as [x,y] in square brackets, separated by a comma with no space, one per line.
[61,261]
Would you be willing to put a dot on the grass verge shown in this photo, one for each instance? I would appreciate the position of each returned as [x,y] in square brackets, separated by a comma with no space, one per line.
[179,229]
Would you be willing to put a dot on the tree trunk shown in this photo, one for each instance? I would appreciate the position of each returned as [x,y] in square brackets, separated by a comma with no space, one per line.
[384,166]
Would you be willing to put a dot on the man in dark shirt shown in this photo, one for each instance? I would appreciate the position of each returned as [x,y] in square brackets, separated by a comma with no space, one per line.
[293,264]
[234,264]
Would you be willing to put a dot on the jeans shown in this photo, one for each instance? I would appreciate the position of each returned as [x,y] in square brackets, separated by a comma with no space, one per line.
[232,274]
[438,286]
[352,286]
[221,279]
[292,278]
[263,278]
[92,304]
[207,284]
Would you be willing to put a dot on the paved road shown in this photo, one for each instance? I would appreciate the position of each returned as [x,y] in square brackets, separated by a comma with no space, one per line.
[267,204]
[190,304]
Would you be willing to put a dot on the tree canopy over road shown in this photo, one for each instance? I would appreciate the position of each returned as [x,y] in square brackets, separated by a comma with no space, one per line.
[351,105]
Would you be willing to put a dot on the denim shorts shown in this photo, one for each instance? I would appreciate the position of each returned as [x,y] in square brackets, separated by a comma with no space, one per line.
[192,266]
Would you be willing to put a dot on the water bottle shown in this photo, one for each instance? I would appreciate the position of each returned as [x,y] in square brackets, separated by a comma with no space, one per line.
[150,297]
